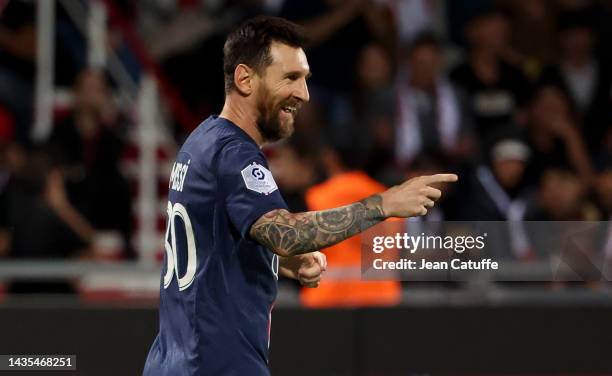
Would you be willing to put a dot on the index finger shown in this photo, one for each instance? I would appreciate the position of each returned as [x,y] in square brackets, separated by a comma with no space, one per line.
[440,178]
[322,260]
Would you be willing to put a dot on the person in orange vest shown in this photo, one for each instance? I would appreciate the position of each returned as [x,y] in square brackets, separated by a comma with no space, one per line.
[342,285]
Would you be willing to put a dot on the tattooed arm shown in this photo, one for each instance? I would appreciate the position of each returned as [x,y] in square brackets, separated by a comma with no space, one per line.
[289,234]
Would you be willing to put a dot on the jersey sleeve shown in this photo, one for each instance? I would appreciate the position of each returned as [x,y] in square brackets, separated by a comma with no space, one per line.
[248,185]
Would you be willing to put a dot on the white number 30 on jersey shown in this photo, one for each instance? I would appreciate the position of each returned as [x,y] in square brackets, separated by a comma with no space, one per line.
[178,210]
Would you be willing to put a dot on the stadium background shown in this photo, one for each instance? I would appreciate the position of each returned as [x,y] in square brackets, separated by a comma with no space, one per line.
[514,96]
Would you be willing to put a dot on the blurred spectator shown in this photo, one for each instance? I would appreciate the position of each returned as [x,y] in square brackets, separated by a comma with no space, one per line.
[342,285]
[498,90]
[294,171]
[554,137]
[495,191]
[38,218]
[460,13]
[373,110]
[585,81]
[562,196]
[533,33]
[432,117]
[17,59]
[88,145]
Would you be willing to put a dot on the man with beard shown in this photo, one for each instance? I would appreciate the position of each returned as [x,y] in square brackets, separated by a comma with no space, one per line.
[229,233]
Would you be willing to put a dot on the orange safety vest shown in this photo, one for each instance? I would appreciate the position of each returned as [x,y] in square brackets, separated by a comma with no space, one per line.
[341,284]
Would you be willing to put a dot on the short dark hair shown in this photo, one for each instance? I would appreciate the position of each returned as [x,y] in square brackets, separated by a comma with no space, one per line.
[487,12]
[425,39]
[578,19]
[250,44]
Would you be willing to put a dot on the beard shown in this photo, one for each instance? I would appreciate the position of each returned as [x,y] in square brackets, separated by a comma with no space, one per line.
[270,123]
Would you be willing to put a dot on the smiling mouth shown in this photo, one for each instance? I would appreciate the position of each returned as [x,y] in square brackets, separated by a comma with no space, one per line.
[290,109]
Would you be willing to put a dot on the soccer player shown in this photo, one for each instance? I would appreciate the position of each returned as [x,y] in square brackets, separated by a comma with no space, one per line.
[229,233]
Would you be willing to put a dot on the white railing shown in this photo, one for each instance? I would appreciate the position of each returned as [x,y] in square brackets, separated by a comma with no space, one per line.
[147,137]
[45,56]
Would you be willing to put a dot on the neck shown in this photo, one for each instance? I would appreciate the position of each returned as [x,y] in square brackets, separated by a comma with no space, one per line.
[238,111]
[428,86]
[483,56]
[577,61]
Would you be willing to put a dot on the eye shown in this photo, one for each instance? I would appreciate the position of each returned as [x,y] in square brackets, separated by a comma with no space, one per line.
[293,76]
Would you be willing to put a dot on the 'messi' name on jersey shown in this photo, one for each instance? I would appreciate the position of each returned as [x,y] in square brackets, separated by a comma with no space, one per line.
[177,178]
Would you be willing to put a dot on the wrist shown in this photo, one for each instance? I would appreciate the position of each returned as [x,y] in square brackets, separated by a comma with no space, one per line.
[375,207]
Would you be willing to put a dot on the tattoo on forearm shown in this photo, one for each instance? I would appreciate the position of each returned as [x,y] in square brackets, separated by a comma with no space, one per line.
[292,234]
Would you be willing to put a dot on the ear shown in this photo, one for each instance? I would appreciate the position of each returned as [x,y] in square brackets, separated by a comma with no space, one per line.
[243,79]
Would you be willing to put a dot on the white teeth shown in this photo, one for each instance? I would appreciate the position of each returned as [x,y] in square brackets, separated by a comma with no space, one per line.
[290,109]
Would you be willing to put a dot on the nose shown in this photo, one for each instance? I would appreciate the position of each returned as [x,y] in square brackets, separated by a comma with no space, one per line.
[301,91]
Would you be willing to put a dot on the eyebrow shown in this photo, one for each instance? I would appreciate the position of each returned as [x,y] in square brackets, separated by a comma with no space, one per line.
[308,75]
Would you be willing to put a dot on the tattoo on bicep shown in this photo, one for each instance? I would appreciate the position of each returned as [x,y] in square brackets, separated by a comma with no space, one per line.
[294,234]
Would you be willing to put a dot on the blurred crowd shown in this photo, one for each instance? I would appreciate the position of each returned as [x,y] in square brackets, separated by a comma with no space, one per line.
[514,96]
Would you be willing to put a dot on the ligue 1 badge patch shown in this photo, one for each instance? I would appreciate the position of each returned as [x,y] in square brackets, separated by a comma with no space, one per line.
[259,179]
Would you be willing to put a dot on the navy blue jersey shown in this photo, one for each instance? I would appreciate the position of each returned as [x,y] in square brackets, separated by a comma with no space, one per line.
[218,285]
